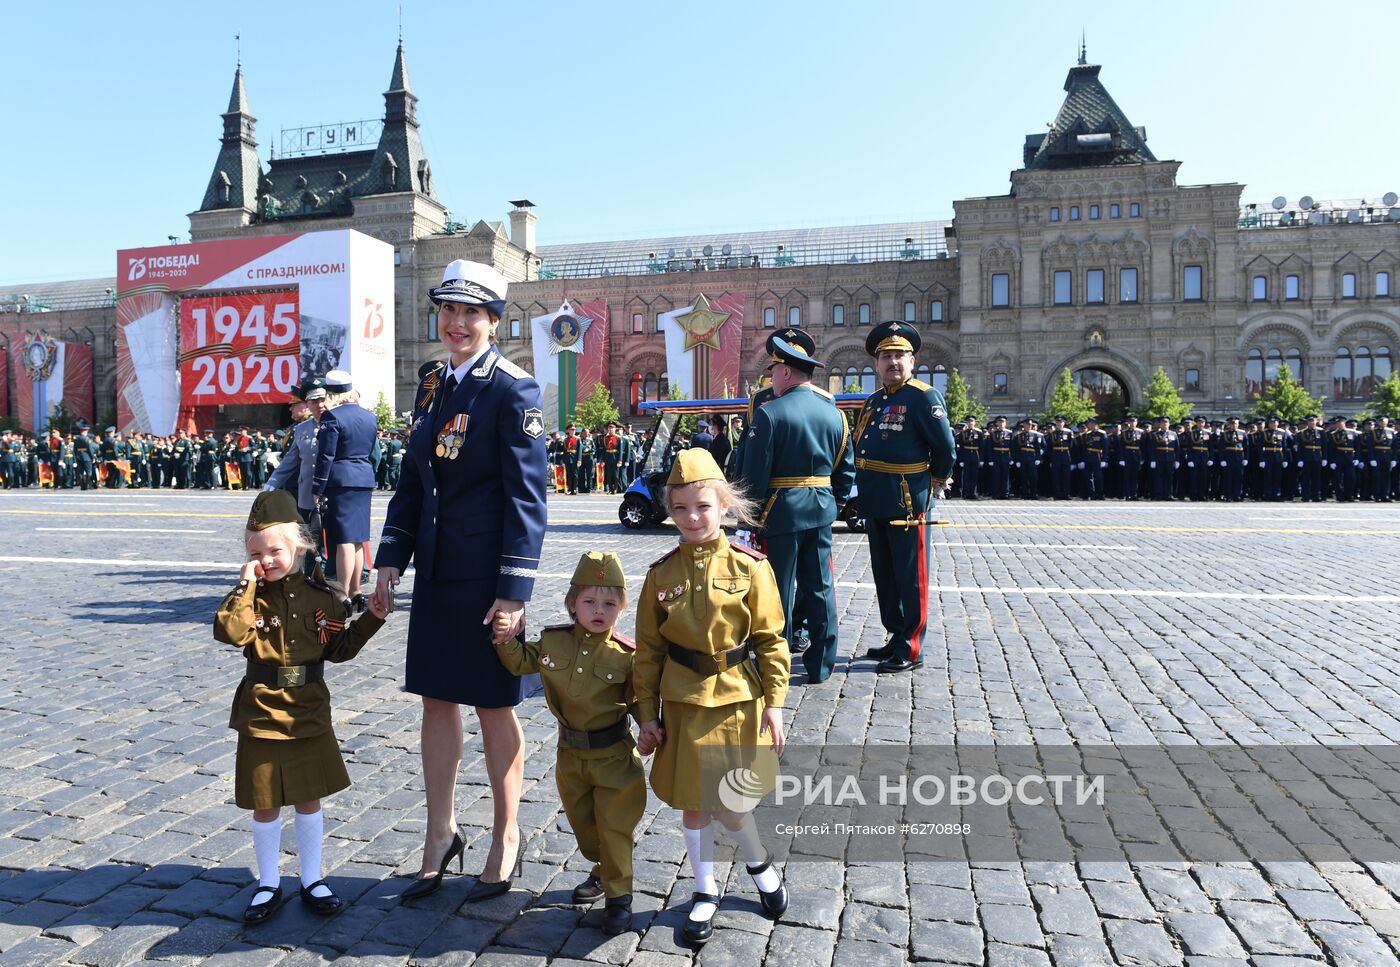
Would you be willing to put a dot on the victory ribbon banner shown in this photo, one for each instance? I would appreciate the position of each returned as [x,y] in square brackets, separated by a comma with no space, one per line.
[239,348]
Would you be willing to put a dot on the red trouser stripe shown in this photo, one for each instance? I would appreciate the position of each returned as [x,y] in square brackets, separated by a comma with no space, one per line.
[916,640]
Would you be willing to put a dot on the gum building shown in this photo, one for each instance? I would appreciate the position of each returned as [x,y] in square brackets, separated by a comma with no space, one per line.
[1097,259]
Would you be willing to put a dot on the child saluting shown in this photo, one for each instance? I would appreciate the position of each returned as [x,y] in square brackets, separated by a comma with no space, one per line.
[288,626]
[586,668]
[712,663]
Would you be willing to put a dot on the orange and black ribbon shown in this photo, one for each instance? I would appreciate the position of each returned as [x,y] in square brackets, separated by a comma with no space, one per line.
[430,388]
[325,627]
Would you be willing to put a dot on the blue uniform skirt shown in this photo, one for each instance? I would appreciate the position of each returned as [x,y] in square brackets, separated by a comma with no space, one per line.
[450,655]
[347,515]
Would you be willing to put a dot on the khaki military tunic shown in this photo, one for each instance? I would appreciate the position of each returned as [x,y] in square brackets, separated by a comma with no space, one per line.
[709,598]
[588,686]
[287,749]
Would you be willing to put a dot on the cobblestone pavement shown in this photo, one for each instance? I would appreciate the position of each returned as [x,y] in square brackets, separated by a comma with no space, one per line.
[1255,623]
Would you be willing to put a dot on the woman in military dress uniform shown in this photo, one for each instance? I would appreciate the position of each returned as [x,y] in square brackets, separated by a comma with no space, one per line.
[470,513]
[344,436]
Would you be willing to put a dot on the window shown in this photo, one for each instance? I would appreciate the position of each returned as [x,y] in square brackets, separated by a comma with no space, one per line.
[838,315]
[1294,358]
[911,312]
[794,316]
[432,324]
[1349,285]
[515,329]
[1254,375]
[634,393]
[1134,210]
[867,380]
[939,379]
[1074,213]
[1114,211]
[1290,288]
[834,384]
[1193,381]
[1361,384]
[1001,289]
[1055,214]
[770,318]
[649,386]
[1093,286]
[1127,285]
[398,256]
[1382,363]
[1094,213]
[935,310]
[1341,374]
[637,324]
[1382,285]
[1260,288]
[863,315]
[999,384]
[1061,288]
[1191,283]
[658,321]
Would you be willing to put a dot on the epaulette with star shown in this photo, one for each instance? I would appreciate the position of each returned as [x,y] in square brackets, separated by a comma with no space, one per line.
[749,551]
[624,641]
[564,627]
[919,384]
[510,369]
[663,557]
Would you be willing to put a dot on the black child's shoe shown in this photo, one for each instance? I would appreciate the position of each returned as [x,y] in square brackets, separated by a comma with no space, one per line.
[774,903]
[326,906]
[696,932]
[266,900]
[589,891]
[617,915]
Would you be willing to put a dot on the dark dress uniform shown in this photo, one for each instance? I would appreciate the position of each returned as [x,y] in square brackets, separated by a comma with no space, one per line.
[571,457]
[471,517]
[344,436]
[1163,454]
[1273,446]
[84,450]
[996,457]
[1198,459]
[1130,443]
[1093,451]
[1341,459]
[1060,449]
[1380,441]
[903,442]
[798,462]
[969,442]
[1309,446]
[1028,448]
[1232,452]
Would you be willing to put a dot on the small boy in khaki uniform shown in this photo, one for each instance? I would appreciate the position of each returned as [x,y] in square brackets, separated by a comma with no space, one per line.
[586,668]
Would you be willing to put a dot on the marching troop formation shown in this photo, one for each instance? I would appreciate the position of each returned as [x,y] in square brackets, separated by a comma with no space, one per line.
[1200,460]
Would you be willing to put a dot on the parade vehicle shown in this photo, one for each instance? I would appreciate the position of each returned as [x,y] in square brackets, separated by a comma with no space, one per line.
[643,504]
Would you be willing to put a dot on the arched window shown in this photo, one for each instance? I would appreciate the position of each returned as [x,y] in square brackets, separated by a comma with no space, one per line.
[1294,359]
[1361,384]
[833,383]
[1382,363]
[1254,375]
[1341,374]
[634,393]
[940,378]
[649,387]
[867,380]
[663,387]
[925,374]
[1272,361]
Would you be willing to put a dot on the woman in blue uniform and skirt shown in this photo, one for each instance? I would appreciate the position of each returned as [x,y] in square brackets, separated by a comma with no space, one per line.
[344,480]
[470,514]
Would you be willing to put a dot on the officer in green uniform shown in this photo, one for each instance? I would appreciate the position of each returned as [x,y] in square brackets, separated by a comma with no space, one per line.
[208,455]
[85,453]
[586,669]
[904,452]
[110,452]
[798,462]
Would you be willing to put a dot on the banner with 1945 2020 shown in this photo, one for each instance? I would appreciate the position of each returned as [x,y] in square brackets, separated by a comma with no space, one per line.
[239,348]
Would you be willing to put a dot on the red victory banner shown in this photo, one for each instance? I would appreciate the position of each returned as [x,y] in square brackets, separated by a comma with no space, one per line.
[239,348]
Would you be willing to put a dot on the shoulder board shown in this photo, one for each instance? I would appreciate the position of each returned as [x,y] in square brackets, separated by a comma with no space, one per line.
[510,369]
[663,557]
[821,392]
[624,641]
[430,367]
[749,552]
[569,626]
[918,384]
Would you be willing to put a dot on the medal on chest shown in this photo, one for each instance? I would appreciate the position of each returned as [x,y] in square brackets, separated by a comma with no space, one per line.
[545,660]
[670,594]
[451,437]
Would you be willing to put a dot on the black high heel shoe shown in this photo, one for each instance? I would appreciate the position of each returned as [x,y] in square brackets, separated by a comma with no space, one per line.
[481,890]
[424,886]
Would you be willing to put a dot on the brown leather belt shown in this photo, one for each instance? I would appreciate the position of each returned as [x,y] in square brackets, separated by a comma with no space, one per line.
[708,665]
[285,676]
[596,739]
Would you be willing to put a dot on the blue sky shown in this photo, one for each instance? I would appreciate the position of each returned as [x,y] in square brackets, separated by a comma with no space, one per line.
[623,119]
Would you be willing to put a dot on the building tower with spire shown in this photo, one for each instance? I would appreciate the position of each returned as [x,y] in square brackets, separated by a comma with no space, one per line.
[233,187]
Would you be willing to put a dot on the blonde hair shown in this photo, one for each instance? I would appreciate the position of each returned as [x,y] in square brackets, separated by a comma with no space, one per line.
[294,532]
[571,596]
[333,400]
[732,499]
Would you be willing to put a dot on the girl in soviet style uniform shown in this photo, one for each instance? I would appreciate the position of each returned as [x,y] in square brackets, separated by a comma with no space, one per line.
[288,626]
[586,668]
[711,674]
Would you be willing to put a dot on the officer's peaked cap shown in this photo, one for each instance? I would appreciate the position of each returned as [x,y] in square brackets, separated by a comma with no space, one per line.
[893,335]
[793,336]
[791,354]
[473,284]
[599,569]
[313,388]
[338,381]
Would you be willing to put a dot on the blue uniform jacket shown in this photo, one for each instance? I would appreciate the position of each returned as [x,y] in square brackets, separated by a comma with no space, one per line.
[902,436]
[482,515]
[344,436]
[798,435]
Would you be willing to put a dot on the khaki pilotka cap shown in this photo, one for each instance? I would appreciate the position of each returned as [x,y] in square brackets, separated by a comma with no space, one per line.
[599,569]
[273,507]
[693,466]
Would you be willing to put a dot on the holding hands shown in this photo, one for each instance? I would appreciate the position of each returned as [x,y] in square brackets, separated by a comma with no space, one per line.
[651,736]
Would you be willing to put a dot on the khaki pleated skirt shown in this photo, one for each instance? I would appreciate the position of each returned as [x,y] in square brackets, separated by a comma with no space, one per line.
[710,754]
[271,773]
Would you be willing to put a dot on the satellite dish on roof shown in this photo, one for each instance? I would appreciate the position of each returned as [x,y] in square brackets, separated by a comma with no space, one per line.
[670,253]
[708,250]
[1389,198]
[1279,203]
[746,250]
[1306,202]
[689,253]
[727,249]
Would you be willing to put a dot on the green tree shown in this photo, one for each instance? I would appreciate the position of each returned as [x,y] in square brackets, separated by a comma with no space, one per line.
[1385,400]
[687,423]
[597,410]
[384,413]
[1161,398]
[1286,399]
[960,402]
[1069,401]
[61,419]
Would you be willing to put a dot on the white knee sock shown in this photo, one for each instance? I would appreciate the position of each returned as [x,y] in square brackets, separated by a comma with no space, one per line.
[267,844]
[700,847]
[310,827]
[754,854]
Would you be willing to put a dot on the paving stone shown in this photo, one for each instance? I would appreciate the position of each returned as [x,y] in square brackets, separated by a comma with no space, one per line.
[1141,943]
[1006,955]
[1268,928]
[957,943]
[128,942]
[865,953]
[198,939]
[1352,945]
[1015,925]
[38,952]
[1204,935]
[864,921]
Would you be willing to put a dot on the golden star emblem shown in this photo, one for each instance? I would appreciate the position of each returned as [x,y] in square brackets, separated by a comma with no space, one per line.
[702,325]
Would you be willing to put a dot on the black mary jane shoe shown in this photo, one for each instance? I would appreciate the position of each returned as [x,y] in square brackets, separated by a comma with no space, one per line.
[326,906]
[429,884]
[697,932]
[774,903]
[258,912]
[589,891]
[617,915]
[481,890]
[893,665]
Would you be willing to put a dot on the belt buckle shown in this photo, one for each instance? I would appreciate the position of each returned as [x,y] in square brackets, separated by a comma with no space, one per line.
[290,676]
